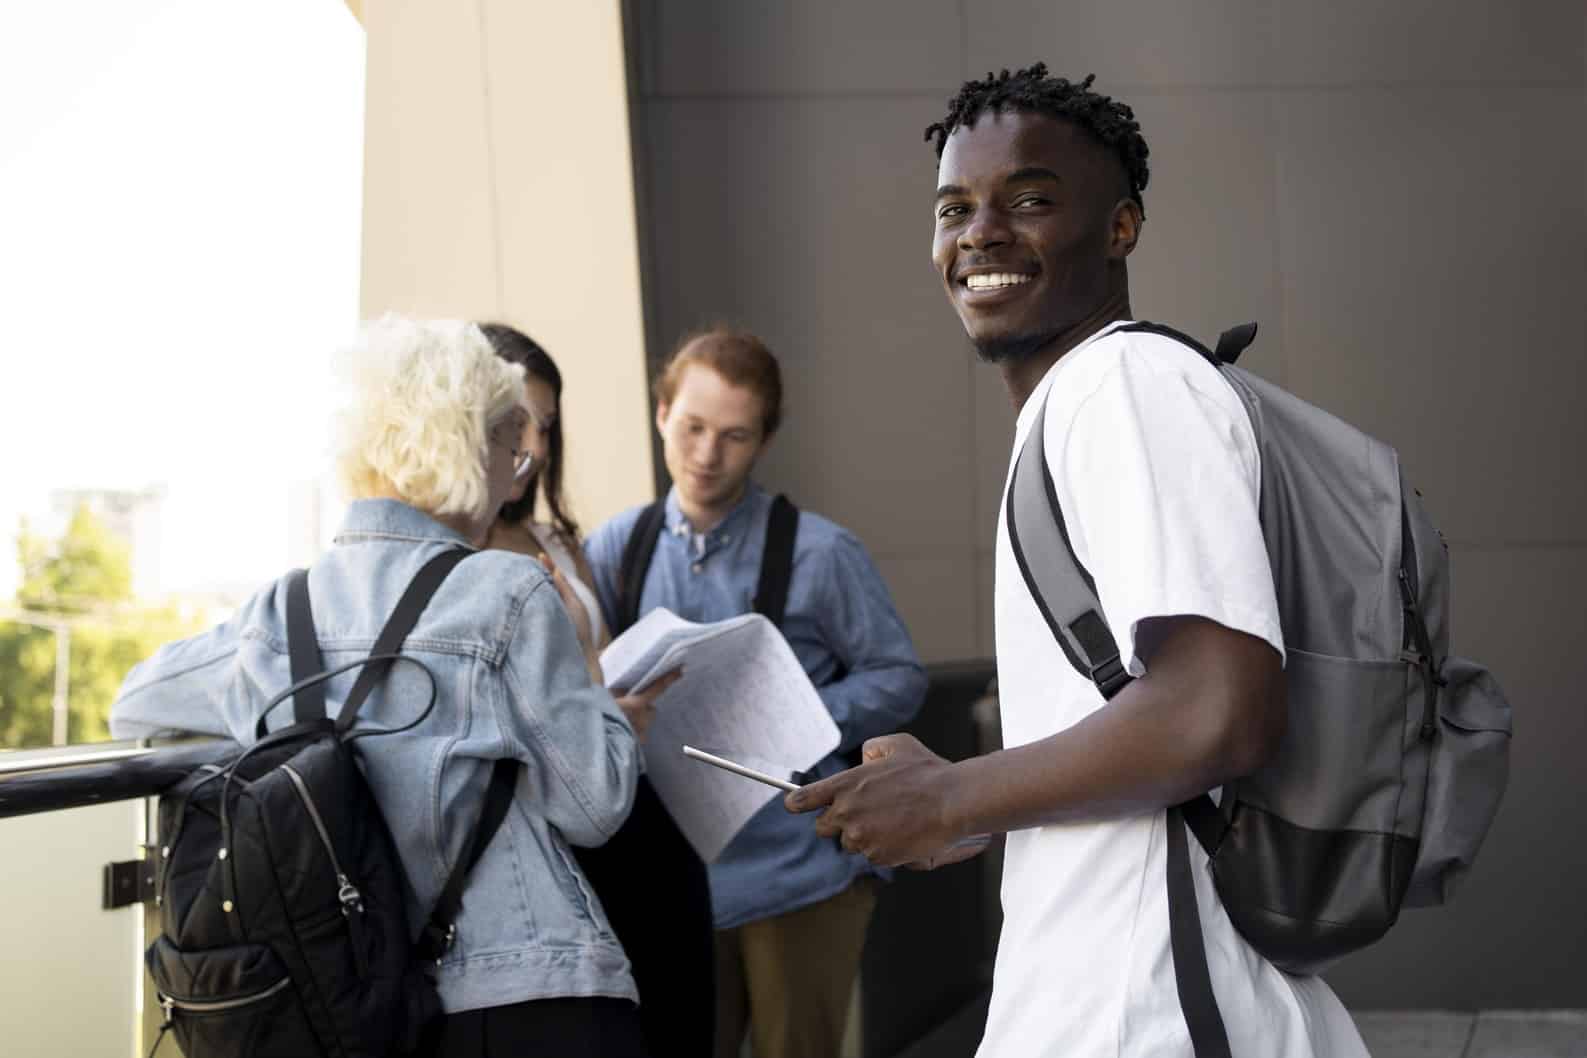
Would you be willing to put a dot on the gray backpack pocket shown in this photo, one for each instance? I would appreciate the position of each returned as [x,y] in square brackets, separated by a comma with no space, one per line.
[1470,764]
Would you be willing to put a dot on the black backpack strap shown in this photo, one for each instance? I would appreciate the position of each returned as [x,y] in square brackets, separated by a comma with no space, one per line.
[1063,589]
[776,561]
[406,614]
[1232,342]
[303,648]
[1191,977]
[437,935]
[637,553]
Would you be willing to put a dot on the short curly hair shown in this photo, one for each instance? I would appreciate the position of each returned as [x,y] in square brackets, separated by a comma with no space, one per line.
[1031,91]
[421,397]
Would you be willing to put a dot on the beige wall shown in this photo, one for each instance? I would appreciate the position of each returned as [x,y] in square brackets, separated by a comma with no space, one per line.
[1397,191]
[498,184]
[69,971]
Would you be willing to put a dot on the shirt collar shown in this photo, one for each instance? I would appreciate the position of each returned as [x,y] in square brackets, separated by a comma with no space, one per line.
[678,525]
[395,520]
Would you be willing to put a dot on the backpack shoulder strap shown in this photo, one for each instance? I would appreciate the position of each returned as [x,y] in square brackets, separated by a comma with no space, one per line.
[637,553]
[1063,589]
[776,561]
[436,936]
[398,625]
[303,647]
[1231,343]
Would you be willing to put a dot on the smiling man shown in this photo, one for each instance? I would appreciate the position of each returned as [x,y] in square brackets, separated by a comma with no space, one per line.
[790,906]
[1154,464]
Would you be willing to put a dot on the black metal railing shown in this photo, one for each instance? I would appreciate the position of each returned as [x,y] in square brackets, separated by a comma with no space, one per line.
[926,969]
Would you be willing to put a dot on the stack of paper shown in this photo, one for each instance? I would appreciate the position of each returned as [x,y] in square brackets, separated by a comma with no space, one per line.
[743,696]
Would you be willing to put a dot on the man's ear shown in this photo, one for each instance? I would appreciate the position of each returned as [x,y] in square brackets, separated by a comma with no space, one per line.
[1124,228]
[661,417]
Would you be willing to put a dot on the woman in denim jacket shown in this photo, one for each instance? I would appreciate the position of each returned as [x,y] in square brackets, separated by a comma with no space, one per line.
[428,450]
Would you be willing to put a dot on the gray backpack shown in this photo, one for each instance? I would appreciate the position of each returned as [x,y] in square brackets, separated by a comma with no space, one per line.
[1396,753]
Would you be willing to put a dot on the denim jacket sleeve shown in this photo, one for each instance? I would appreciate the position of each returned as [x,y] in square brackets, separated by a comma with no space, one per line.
[584,759]
[187,686]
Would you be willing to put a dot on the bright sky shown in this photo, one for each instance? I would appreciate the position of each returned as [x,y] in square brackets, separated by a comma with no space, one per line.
[180,196]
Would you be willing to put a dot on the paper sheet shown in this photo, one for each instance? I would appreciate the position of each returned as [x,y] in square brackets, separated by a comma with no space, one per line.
[743,696]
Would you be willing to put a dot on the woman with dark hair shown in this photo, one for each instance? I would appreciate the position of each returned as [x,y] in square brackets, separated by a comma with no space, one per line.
[651,884]
[557,539]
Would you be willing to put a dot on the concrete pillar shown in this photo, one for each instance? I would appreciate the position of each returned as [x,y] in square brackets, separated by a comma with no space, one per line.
[499,184]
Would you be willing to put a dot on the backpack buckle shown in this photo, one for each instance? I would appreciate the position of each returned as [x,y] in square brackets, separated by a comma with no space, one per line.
[1111,677]
[446,943]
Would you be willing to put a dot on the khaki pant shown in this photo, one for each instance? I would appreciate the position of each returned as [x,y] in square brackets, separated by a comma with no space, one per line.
[788,978]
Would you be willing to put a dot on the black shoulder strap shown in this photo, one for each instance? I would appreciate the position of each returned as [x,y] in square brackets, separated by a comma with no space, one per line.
[637,553]
[776,561]
[437,934]
[398,625]
[1231,343]
[303,647]
[1191,977]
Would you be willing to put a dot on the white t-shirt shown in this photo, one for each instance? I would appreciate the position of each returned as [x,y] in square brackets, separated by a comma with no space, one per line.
[1158,474]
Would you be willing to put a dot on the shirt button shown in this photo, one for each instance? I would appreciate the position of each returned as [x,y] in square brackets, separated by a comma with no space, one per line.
[726,539]
[698,567]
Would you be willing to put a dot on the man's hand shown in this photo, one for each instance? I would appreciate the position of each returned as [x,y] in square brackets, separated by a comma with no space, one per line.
[640,706]
[895,808]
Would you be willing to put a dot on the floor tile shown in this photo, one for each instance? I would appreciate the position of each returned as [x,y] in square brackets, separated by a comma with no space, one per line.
[1530,1034]
[1414,1033]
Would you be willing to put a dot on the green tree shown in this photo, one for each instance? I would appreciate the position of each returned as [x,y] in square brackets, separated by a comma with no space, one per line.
[83,579]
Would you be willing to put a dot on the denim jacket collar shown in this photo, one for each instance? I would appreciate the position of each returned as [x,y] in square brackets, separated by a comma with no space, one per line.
[394,520]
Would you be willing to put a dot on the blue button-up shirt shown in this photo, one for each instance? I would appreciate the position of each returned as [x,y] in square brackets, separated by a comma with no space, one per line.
[840,622]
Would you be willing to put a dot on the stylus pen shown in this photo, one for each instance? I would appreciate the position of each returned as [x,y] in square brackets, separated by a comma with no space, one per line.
[739,769]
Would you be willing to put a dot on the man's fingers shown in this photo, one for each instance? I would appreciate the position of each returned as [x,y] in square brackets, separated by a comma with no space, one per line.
[817,794]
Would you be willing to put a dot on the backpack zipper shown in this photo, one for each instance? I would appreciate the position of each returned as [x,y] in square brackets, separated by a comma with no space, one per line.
[347,893]
[216,1006]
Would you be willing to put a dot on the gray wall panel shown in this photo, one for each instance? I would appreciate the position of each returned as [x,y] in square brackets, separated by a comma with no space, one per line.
[994,439]
[1127,42]
[813,47]
[1208,255]
[1423,290]
[1352,42]
[938,598]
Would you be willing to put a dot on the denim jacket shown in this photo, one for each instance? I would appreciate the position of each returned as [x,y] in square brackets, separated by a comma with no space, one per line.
[511,683]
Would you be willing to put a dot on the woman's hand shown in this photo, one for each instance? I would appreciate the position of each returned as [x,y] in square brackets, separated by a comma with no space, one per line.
[640,706]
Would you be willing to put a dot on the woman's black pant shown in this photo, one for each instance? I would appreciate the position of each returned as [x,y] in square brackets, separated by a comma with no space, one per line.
[658,899]
[587,1027]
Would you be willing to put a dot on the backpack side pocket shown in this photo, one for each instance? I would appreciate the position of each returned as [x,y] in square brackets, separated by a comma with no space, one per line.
[1470,766]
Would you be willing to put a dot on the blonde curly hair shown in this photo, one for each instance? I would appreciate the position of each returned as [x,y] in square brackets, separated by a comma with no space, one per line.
[421,397]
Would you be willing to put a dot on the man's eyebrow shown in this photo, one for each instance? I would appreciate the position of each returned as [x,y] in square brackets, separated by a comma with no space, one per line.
[950,189]
[1032,172]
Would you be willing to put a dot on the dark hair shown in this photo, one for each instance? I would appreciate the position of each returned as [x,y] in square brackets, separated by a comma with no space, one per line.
[739,357]
[1031,91]
[516,347]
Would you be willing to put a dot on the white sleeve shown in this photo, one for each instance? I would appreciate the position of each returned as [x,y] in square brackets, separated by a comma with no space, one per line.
[1159,478]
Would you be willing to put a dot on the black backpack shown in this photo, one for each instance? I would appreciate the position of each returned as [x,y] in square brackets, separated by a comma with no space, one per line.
[283,924]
